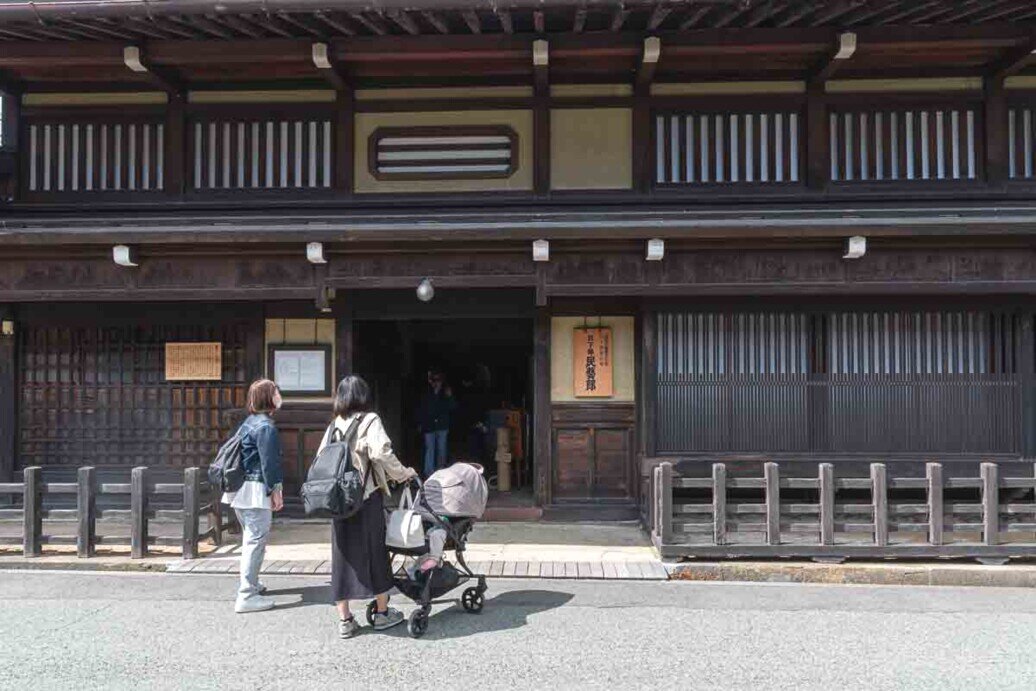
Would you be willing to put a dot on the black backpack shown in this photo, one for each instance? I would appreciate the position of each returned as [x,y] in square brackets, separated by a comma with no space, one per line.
[334,488]
[227,472]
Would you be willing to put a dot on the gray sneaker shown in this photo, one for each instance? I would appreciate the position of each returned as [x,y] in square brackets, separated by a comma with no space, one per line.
[347,628]
[387,619]
[256,603]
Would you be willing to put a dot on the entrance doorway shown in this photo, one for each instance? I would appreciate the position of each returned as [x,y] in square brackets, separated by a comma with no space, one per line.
[487,366]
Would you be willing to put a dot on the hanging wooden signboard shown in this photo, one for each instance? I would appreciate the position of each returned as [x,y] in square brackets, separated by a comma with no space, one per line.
[193,361]
[592,359]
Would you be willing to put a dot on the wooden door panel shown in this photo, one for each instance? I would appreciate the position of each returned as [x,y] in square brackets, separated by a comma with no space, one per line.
[611,463]
[573,454]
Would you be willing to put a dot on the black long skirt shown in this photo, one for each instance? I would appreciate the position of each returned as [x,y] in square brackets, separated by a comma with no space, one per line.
[360,563]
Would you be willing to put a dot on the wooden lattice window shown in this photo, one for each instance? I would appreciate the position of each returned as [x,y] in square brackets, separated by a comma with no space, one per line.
[924,143]
[277,153]
[1021,136]
[443,153]
[725,148]
[91,155]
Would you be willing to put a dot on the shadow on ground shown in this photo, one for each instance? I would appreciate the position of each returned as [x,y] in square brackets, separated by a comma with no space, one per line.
[503,612]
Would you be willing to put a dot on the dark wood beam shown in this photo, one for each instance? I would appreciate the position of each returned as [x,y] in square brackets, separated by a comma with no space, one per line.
[506,23]
[966,10]
[9,398]
[763,12]
[374,25]
[541,117]
[729,17]
[241,26]
[22,35]
[436,21]
[472,20]
[797,16]
[1007,13]
[651,53]
[694,17]
[1014,61]
[838,11]
[91,32]
[335,23]
[171,25]
[841,53]
[818,163]
[997,145]
[103,30]
[271,24]
[175,155]
[50,32]
[211,26]
[305,24]
[658,15]
[324,61]
[405,21]
[906,13]
[344,145]
[165,78]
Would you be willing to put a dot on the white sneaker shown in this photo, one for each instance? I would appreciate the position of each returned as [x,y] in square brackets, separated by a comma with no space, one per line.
[256,603]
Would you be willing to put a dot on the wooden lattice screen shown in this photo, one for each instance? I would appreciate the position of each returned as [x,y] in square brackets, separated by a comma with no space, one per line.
[97,395]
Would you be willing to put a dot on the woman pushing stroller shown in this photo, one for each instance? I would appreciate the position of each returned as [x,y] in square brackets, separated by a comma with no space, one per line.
[361,567]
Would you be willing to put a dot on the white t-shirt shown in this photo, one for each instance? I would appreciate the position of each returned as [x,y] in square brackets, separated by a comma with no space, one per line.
[252,495]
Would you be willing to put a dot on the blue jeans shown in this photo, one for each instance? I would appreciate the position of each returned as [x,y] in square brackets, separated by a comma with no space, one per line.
[255,533]
[435,450]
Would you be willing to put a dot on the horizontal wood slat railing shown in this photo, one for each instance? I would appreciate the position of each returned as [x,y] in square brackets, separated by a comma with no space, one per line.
[199,498]
[989,518]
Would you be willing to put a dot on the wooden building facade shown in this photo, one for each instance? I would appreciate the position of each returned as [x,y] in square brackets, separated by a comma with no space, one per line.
[685,175]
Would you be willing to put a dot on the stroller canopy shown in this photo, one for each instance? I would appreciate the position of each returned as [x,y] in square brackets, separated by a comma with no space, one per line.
[457,491]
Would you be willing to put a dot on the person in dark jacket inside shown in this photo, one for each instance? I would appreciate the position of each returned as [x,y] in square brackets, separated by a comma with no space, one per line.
[261,494]
[433,419]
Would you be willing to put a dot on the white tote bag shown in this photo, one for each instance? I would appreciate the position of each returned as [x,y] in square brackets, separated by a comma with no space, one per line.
[404,527]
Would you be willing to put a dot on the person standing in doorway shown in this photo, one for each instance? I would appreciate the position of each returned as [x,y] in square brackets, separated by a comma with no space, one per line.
[437,406]
[261,494]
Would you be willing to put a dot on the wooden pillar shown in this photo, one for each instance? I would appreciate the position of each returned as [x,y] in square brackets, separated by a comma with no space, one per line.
[641,139]
[32,503]
[665,503]
[995,123]
[719,503]
[541,139]
[827,504]
[990,504]
[541,427]
[344,343]
[818,154]
[138,513]
[255,346]
[648,390]
[933,472]
[86,510]
[345,144]
[772,482]
[8,398]
[1027,380]
[175,176]
[191,511]
[880,503]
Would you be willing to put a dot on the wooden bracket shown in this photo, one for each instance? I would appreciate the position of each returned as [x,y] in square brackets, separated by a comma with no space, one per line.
[1014,61]
[164,78]
[833,61]
[649,58]
[322,60]
[541,64]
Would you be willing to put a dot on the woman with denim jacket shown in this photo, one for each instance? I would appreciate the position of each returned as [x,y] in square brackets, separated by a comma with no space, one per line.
[261,494]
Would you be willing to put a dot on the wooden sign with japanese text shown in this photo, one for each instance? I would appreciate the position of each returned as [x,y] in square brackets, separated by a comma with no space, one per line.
[193,361]
[592,360]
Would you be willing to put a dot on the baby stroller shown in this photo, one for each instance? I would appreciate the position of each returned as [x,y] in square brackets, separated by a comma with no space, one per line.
[428,587]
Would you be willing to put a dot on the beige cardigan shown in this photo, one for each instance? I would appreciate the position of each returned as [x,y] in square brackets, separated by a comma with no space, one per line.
[372,442]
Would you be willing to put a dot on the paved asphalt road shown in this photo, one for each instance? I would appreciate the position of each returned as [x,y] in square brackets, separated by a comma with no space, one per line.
[145,631]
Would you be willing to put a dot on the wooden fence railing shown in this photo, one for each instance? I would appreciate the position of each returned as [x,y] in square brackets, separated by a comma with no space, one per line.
[990,518]
[197,499]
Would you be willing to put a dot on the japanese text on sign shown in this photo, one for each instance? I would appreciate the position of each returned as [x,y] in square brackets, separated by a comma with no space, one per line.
[592,362]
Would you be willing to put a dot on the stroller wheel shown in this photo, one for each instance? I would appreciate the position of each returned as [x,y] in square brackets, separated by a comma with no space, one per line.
[372,607]
[418,623]
[473,600]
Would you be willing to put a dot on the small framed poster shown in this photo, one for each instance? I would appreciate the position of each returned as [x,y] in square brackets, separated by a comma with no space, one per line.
[193,361]
[592,358]
[301,370]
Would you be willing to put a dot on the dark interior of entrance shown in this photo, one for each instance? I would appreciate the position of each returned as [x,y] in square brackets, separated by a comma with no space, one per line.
[487,364]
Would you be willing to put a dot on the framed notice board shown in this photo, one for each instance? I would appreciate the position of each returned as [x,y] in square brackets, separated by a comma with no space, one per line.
[301,370]
[592,362]
[193,361]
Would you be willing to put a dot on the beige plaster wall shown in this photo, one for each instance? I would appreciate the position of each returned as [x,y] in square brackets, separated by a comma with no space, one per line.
[590,148]
[562,386]
[518,120]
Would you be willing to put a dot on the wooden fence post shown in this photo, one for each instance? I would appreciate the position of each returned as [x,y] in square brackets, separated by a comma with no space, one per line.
[880,502]
[990,504]
[191,505]
[771,474]
[32,505]
[719,503]
[215,515]
[933,472]
[665,508]
[138,513]
[86,513]
[827,504]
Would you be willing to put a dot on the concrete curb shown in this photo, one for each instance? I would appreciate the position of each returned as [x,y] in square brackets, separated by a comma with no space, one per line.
[923,574]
